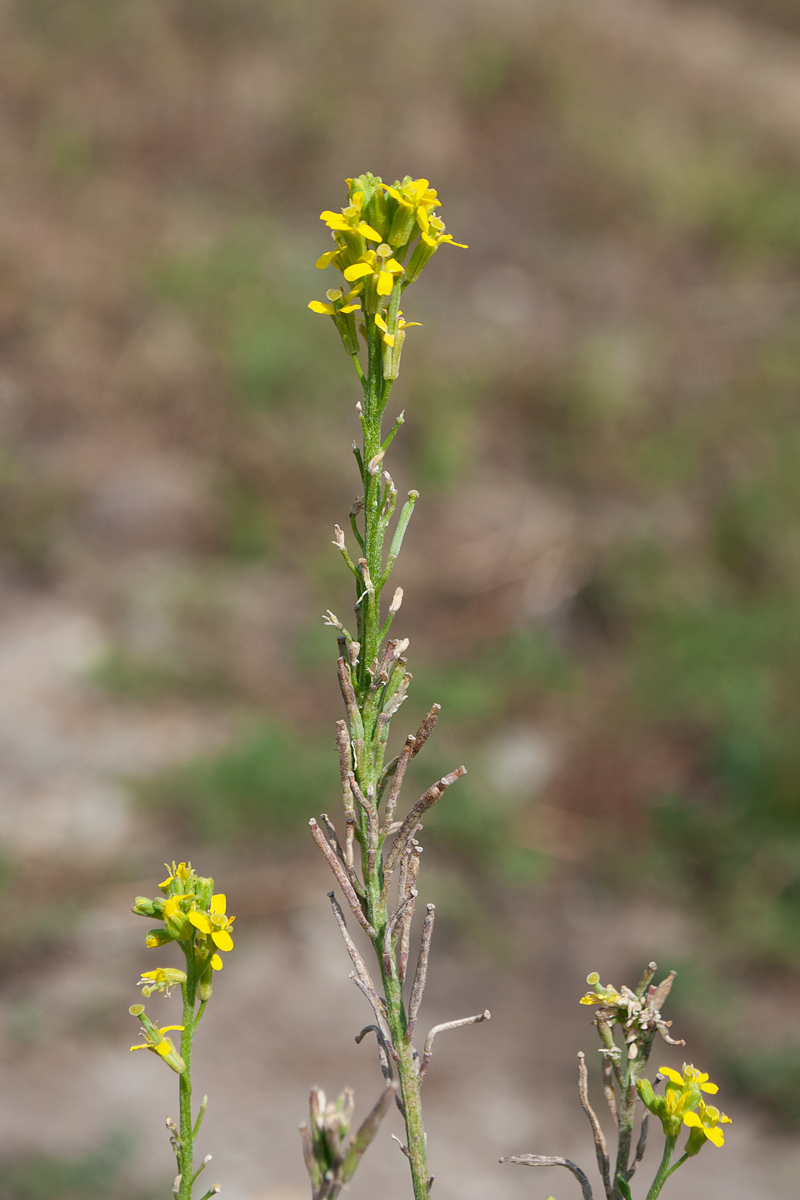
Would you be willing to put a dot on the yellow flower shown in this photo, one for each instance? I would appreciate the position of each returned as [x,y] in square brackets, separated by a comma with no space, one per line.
[334,306]
[681,1097]
[691,1077]
[341,308]
[602,995]
[377,266]
[182,872]
[432,236]
[349,220]
[162,979]
[704,1125]
[216,926]
[155,1040]
[387,336]
[415,200]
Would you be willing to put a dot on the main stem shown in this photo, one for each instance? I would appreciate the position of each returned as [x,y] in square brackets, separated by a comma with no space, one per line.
[376,394]
[185,1131]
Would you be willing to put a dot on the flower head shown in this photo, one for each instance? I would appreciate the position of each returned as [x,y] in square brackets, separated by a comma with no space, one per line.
[682,1103]
[375,232]
[193,915]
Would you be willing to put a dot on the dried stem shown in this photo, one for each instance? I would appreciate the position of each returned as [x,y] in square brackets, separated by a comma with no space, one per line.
[601,1149]
[428,1052]
[551,1160]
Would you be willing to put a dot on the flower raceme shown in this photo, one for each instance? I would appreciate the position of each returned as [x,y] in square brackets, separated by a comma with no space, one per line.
[384,237]
[682,1096]
[193,916]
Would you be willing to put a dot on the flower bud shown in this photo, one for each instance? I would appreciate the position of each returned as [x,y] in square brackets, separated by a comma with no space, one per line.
[158,937]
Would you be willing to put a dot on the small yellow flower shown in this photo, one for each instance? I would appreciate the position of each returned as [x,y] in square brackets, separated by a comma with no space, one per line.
[606,995]
[341,308]
[182,872]
[415,200]
[377,264]
[156,1042]
[335,306]
[691,1077]
[349,220]
[162,979]
[704,1125]
[216,925]
[388,337]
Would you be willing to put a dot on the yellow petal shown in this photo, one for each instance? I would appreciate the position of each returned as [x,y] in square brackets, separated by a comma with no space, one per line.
[167,881]
[422,220]
[143,1046]
[385,282]
[716,1136]
[218,903]
[709,1087]
[347,308]
[357,271]
[379,321]
[368,232]
[167,1028]
[670,1074]
[318,307]
[693,1121]
[388,338]
[216,962]
[200,921]
[394,266]
[222,939]
[327,258]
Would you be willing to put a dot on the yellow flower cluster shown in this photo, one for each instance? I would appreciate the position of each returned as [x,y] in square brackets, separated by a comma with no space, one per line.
[682,1103]
[384,237]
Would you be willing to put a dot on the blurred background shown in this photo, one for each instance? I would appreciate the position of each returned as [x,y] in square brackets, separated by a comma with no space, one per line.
[602,577]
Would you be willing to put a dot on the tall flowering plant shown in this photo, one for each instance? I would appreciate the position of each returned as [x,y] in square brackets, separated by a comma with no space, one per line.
[382,240]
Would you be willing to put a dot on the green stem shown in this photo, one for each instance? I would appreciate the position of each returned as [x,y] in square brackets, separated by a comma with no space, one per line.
[186,1131]
[663,1172]
[365,723]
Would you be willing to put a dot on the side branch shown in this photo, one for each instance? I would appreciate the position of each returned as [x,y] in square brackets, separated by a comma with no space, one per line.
[549,1160]
[341,876]
[428,1051]
[409,826]
[421,974]
[601,1149]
